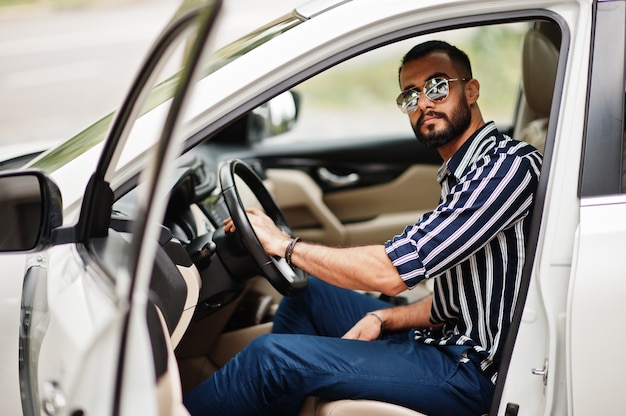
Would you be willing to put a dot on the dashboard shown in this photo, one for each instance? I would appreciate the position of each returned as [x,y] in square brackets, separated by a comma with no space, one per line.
[194,216]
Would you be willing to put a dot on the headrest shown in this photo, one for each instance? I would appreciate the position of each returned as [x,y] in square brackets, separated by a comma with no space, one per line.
[539,60]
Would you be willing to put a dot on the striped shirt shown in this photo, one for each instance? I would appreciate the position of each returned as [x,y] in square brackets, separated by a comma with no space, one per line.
[473,243]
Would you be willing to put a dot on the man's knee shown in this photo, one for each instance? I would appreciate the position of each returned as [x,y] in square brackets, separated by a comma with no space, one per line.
[262,344]
[278,349]
[268,350]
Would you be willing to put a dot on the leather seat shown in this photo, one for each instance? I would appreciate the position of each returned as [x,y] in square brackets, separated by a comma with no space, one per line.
[314,406]
[539,61]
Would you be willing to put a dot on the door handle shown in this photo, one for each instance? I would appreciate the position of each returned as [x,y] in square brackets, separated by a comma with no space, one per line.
[335,181]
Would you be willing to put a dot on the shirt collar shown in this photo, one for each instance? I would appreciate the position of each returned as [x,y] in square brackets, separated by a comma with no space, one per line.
[471,150]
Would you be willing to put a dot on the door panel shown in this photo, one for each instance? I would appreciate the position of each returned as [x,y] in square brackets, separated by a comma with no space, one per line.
[598,285]
[376,188]
[363,215]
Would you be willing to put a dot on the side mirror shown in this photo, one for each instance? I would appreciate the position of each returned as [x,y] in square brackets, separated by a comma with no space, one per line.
[275,117]
[30,208]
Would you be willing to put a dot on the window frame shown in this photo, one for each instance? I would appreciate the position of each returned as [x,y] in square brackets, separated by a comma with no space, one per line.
[602,164]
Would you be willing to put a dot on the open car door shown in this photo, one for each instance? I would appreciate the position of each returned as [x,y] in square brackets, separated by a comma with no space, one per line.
[94,339]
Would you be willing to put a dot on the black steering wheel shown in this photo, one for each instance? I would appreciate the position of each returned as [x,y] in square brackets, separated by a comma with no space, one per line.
[286,279]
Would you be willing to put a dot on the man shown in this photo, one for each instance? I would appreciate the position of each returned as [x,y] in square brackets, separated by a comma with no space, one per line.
[439,356]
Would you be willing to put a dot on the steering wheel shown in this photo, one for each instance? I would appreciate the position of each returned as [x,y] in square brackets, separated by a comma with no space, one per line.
[286,279]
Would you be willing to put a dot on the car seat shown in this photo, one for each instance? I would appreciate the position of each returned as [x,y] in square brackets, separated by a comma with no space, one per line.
[315,406]
[539,61]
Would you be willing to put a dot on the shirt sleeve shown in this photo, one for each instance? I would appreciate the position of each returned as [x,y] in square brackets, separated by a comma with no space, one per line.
[493,195]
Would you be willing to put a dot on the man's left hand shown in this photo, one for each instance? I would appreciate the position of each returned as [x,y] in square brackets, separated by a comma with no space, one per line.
[367,329]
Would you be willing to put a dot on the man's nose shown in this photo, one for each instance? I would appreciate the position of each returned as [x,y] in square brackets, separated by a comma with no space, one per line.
[423,102]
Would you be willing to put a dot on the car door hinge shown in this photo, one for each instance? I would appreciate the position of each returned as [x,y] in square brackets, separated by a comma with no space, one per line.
[542,372]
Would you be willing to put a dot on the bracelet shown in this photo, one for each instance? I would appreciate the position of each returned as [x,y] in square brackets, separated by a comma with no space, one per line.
[382,323]
[289,250]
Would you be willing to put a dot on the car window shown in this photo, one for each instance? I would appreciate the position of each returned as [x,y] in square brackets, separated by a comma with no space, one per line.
[96,133]
[138,138]
[343,102]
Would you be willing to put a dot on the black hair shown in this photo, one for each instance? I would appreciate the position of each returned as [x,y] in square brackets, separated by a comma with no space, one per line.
[458,57]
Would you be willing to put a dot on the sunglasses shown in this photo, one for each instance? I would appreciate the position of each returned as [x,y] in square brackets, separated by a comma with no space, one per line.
[435,89]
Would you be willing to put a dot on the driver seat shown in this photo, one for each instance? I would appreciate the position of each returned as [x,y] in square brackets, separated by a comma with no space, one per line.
[314,406]
[540,57]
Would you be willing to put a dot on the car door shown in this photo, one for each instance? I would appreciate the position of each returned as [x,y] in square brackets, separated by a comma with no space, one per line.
[597,285]
[93,338]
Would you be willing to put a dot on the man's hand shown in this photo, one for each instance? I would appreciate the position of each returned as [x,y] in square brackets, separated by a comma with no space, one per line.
[273,240]
[360,268]
[397,318]
[367,329]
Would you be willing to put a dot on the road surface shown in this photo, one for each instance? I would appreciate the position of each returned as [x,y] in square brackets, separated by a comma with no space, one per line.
[63,69]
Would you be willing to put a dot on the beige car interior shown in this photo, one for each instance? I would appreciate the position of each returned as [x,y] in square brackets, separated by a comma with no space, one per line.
[350,217]
[357,216]
[540,54]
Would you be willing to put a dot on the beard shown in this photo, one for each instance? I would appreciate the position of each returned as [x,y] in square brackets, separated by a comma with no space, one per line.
[455,125]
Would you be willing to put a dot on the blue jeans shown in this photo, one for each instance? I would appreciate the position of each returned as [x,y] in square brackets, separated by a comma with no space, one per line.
[306,356]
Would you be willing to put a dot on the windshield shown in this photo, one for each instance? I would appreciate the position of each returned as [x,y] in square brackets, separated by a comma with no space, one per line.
[61,155]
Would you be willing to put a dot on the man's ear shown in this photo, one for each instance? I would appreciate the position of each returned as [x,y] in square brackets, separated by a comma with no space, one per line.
[472,90]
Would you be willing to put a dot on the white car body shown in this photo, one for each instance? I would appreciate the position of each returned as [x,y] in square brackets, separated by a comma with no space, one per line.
[567,354]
